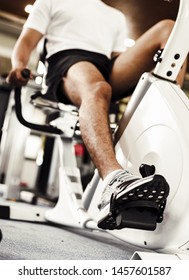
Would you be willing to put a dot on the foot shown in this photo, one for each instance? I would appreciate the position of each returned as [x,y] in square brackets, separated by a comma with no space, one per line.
[125,187]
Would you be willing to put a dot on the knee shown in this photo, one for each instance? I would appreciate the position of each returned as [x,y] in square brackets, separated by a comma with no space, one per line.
[99,91]
[103,90]
[165,28]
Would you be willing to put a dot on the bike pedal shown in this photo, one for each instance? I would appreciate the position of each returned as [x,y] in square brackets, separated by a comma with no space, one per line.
[143,219]
[108,223]
[136,214]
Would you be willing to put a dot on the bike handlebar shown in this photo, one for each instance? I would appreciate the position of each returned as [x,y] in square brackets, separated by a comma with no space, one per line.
[18,108]
[25,73]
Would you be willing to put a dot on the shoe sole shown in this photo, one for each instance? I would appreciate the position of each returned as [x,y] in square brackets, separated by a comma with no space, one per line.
[155,189]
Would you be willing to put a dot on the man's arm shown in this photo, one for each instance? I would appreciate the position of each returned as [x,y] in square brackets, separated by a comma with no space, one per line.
[23,48]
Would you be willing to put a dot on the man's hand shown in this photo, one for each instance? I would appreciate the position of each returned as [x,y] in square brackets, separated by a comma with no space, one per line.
[16,77]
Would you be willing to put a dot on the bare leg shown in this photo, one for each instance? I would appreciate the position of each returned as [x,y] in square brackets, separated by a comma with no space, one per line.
[129,66]
[86,88]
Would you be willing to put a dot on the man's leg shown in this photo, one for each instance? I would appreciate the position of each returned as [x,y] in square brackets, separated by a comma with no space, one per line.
[87,89]
[130,65]
[126,71]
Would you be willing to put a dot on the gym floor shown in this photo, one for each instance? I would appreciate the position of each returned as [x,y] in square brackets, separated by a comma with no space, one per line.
[35,241]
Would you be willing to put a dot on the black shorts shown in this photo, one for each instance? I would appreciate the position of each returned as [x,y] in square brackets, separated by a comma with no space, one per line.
[59,63]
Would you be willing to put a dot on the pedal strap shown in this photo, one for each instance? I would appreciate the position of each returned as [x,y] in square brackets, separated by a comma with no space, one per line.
[141,205]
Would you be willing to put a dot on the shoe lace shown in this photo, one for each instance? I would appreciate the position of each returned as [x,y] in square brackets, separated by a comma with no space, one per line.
[122,178]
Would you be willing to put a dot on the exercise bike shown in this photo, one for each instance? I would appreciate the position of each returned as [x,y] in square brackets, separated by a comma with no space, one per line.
[158,143]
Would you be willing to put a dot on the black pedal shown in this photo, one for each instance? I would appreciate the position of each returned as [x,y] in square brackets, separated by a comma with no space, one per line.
[142,215]
[139,217]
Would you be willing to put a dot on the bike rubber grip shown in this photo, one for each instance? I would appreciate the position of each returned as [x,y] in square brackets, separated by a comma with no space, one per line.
[25,73]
